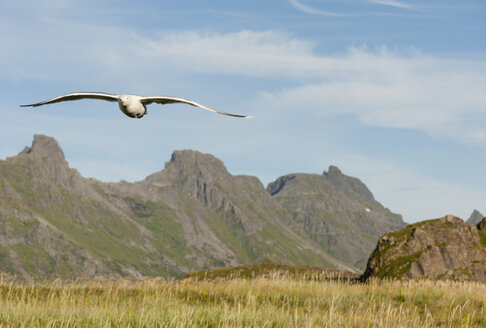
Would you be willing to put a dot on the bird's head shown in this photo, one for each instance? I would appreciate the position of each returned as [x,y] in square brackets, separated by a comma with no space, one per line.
[124,100]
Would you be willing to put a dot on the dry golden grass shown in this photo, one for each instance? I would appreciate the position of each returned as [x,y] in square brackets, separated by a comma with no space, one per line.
[272,301]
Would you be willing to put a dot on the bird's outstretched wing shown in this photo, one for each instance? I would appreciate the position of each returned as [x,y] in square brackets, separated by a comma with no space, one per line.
[76,96]
[170,100]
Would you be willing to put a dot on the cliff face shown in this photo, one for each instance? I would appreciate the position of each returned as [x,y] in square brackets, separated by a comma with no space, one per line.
[446,248]
[193,215]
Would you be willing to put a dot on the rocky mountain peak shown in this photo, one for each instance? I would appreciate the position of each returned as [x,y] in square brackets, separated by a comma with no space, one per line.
[191,158]
[333,171]
[475,217]
[189,170]
[335,209]
[44,146]
[350,184]
[190,163]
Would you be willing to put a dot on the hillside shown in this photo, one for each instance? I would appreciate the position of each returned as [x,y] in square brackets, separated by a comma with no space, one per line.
[192,215]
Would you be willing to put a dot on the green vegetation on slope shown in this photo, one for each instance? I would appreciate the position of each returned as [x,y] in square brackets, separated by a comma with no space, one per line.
[398,266]
[482,237]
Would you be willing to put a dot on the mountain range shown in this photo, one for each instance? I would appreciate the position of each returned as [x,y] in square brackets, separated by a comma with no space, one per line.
[192,215]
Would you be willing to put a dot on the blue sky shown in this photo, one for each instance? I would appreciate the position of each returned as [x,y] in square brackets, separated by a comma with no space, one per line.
[392,92]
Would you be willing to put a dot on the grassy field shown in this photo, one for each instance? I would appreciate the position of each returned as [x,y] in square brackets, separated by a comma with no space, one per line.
[272,300]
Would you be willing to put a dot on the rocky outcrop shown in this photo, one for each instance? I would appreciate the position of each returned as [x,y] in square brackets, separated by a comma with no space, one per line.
[445,248]
[43,146]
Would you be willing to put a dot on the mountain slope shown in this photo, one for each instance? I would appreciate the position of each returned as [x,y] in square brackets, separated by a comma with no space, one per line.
[192,215]
[336,211]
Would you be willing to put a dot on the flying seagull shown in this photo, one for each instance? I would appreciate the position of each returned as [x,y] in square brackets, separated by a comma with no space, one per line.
[131,105]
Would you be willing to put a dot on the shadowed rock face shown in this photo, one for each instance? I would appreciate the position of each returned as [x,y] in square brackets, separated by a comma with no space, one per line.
[482,225]
[446,248]
[193,215]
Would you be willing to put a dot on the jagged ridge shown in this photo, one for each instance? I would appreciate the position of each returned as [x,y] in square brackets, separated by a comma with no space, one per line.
[192,215]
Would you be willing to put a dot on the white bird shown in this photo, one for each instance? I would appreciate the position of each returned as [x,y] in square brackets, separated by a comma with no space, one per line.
[131,105]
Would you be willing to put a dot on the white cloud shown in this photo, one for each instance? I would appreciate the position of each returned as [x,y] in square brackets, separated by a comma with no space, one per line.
[393,3]
[384,87]
[439,96]
[311,10]
[405,191]
[297,4]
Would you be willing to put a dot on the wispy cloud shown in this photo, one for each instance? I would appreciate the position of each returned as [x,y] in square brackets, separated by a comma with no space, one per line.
[383,87]
[393,3]
[439,96]
[311,10]
[297,4]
